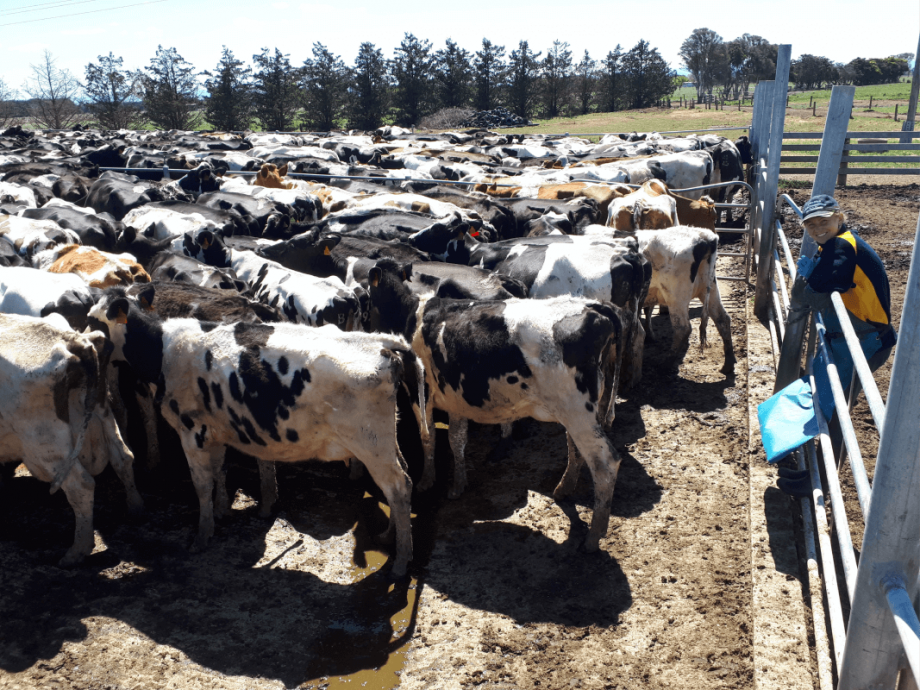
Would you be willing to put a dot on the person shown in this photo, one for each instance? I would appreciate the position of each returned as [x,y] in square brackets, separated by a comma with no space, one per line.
[844,263]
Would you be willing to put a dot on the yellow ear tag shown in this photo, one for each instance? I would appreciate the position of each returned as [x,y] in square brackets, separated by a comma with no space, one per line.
[405,277]
[145,304]
[121,317]
[375,282]
[205,244]
[327,251]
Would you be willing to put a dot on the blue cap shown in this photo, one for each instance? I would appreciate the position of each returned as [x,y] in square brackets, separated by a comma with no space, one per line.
[821,206]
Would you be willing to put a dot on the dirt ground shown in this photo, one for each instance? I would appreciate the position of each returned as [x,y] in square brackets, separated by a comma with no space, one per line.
[500,594]
[886,217]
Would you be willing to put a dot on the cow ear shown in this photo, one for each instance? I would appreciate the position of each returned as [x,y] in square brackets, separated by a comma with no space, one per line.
[373,276]
[145,297]
[327,243]
[129,234]
[283,170]
[406,271]
[118,311]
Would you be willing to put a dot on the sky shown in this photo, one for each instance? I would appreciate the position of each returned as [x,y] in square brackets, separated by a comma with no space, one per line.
[77,31]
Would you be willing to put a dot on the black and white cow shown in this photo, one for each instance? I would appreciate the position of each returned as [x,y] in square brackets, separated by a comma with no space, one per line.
[94,230]
[280,393]
[496,362]
[28,292]
[117,194]
[54,416]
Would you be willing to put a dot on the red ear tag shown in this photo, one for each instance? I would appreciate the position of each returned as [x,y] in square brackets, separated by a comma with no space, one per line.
[474,234]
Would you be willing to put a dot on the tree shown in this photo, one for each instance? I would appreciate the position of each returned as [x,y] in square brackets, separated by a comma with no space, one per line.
[453,75]
[523,71]
[704,55]
[585,82]
[112,93]
[813,71]
[275,90]
[53,93]
[489,71]
[556,70]
[7,107]
[648,76]
[170,91]
[864,72]
[412,69]
[324,82]
[228,106]
[369,96]
[610,81]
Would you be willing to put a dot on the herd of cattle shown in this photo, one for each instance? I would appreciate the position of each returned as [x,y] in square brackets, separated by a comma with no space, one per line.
[290,318]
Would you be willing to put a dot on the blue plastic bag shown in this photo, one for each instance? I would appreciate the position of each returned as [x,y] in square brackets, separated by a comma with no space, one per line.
[787,420]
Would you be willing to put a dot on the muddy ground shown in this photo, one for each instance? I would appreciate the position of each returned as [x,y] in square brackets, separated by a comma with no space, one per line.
[500,595]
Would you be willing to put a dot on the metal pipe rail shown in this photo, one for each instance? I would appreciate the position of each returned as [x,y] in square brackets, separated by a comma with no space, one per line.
[905,618]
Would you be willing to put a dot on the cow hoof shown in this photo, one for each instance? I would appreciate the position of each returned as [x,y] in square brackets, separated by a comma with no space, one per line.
[71,559]
[455,492]
[425,484]
[199,545]
[136,509]
[265,511]
[591,544]
[387,537]
[728,369]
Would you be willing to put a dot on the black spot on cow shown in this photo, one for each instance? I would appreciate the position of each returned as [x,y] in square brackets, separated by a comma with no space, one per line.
[205,393]
[589,407]
[186,421]
[584,338]
[252,335]
[235,391]
[291,435]
[174,406]
[702,251]
[208,326]
[218,395]
[282,366]
[251,430]
[524,386]
[208,360]
[477,343]
[513,379]
[199,437]
[236,425]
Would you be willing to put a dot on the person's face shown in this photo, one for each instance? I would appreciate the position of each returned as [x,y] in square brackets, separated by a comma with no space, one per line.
[823,229]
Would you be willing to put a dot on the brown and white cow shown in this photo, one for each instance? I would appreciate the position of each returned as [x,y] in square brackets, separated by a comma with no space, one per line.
[99,269]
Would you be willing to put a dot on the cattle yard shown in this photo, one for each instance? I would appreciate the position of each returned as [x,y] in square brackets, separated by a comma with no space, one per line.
[701,577]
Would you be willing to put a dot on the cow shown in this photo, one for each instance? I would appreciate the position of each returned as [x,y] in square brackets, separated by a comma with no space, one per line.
[28,292]
[92,229]
[183,269]
[278,392]
[30,237]
[98,269]
[683,261]
[494,362]
[647,208]
[118,194]
[270,176]
[274,218]
[55,418]
[677,170]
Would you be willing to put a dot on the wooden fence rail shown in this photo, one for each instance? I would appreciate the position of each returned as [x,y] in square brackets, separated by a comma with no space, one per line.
[847,161]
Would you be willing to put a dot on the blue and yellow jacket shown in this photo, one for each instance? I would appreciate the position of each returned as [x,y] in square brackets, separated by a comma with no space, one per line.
[848,265]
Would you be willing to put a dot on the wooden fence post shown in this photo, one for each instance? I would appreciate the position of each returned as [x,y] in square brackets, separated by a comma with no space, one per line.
[814,107]
[763,292]
[895,112]
[870,102]
[832,144]
[842,176]
[912,103]
[874,650]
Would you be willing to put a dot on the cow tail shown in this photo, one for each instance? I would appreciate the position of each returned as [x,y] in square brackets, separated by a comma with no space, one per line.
[710,286]
[89,362]
[420,374]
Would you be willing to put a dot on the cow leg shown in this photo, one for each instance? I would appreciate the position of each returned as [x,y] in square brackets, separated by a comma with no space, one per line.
[148,414]
[648,324]
[396,485]
[355,469]
[202,469]
[604,463]
[570,478]
[429,437]
[680,324]
[122,461]
[724,325]
[457,436]
[117,403]
[79,487]
[269,486]
[503,447]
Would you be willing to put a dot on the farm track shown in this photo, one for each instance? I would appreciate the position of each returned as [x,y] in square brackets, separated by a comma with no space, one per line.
[500,595]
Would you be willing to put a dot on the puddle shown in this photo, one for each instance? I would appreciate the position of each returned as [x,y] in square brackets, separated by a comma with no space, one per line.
[386,676]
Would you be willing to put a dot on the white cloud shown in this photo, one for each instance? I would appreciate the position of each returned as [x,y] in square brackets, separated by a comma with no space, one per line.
[28,47]
[280,5]
[83,32]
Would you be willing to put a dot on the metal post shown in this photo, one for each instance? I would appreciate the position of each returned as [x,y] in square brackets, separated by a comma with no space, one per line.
[874,650]
[762,294]
[760,135]
[842,176]
[908,125]
[835,130]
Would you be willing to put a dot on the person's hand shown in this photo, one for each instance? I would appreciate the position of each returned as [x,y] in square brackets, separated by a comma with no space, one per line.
[805,265]
[798,289]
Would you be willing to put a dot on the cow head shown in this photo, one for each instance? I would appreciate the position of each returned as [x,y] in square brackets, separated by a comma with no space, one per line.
[308,252]
[392,304]
[743,144]
[442,239]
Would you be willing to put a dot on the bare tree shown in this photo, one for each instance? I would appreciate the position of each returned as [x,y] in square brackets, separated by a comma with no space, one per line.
[703,54]
[112,93]
[7,107]
[53,93]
